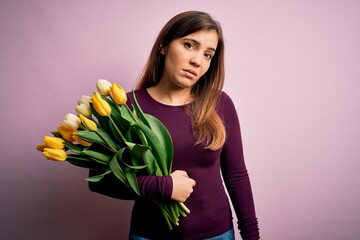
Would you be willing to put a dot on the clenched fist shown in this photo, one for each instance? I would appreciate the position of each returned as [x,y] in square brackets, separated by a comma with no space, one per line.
[182,185]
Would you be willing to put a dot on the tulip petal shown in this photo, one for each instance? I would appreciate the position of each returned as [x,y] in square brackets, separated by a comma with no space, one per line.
[40,147]
[81,141]
[54,142]
[89,124]
[72,121]
[100,105]
[55,154]
[118,94]
[83,109]
[103,86]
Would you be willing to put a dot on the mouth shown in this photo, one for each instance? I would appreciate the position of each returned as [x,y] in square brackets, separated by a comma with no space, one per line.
[192,72]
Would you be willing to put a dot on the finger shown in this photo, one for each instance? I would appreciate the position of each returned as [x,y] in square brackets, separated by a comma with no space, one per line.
[194,183]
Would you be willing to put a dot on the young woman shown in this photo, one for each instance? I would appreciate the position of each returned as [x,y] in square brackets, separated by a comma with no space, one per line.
[182,86]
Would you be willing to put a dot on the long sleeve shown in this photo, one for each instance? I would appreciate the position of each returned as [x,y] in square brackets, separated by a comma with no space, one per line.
[235,174]
[152,187]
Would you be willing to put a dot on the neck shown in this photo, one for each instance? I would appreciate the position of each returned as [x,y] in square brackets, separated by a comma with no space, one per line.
[170,96]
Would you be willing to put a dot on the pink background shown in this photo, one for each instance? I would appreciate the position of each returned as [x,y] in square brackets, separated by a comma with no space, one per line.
[293,70]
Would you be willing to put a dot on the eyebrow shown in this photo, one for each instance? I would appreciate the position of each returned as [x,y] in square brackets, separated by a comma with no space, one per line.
[198,43]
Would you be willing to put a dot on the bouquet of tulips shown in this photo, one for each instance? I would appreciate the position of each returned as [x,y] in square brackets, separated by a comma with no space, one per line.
[109,136]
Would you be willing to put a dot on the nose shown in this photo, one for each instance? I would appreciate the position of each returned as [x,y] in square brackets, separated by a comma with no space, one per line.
[195,59]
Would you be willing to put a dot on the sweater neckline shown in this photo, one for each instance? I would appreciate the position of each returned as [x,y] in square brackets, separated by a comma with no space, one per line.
[163,105]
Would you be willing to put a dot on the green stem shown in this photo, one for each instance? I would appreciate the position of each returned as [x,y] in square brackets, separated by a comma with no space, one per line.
[184,207]
[166,216]
[134,117]
[117,129]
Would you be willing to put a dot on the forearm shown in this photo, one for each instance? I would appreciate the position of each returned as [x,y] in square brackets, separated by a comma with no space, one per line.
[152,187]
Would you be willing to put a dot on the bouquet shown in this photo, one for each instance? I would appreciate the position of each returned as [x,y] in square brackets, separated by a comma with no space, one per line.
[111,137]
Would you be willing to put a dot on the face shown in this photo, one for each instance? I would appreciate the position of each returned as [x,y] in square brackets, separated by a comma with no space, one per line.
[188,58]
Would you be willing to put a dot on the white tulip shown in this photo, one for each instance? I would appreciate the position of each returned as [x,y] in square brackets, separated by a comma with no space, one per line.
[72,121]
[103,86]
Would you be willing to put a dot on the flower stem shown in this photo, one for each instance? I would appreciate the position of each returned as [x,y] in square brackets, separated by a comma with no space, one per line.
[117,129]
[184,207]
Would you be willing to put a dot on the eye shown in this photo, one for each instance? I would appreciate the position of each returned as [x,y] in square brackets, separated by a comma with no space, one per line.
[189,45]
[208,56]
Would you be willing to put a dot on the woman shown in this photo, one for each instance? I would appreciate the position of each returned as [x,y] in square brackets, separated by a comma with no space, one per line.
[182,86]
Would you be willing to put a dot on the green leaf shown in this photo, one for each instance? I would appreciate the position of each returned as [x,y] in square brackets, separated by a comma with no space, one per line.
[157,149]
[91,136]
[107,138]
[141,136]
[164,137]
[75,148]
[97,156]
[56,134]
[127,114]
[100,137]
[131,177]
[144,153]
[139,110]
[97,178]
[136,157]
[135,167]
[116,168]
[82,161]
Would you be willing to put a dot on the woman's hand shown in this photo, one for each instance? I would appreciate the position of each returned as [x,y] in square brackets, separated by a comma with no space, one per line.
[182,185]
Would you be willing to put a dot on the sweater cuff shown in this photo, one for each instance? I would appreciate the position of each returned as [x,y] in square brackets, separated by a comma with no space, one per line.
[155,187]
[168,187]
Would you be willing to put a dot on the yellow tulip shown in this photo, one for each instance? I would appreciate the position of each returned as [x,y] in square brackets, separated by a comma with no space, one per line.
[81,141]
[88,123]
[71,121]
[54,142]
[66,132]
[55,154]
[103,86]
[100,105]
[118,94]
[40,147]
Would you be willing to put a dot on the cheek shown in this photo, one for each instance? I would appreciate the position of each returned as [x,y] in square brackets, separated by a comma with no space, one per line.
[171,61]
[204,68]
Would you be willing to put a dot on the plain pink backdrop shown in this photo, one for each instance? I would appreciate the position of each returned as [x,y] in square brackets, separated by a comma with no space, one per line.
[293,71]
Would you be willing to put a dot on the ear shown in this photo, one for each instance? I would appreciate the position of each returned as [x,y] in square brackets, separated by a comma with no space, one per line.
[162,50]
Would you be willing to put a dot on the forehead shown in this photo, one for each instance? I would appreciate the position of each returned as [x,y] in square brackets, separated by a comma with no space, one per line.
[206,38]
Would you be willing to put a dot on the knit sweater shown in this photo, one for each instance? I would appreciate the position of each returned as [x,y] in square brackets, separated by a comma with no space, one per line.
[209,204]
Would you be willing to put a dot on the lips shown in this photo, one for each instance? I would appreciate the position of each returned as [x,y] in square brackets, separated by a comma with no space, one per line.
[194,73]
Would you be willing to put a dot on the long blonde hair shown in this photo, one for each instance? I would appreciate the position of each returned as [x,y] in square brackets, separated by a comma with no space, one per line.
[207,124]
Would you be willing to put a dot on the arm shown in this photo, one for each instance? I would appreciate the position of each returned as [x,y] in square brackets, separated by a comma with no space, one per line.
[152,187]
[235,173]
[177,186]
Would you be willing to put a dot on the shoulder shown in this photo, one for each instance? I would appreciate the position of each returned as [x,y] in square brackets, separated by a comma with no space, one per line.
[139,94]
[226,107]
[225,101]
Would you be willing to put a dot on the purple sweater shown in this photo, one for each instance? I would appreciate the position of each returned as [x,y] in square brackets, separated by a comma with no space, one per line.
[210,210]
